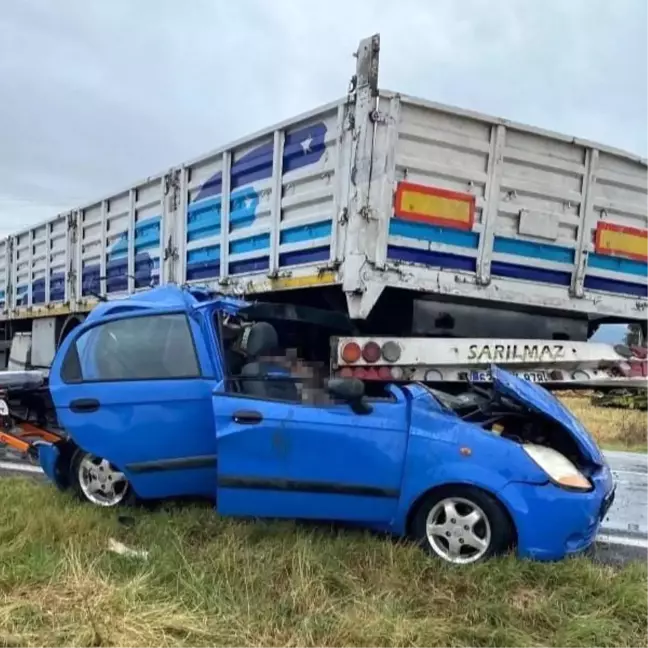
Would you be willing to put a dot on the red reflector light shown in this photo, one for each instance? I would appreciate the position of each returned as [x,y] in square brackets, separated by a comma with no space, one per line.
[639,352]
[360,373]
[371,352]
[384,373]
[351,352]
[638,368]
[346,372]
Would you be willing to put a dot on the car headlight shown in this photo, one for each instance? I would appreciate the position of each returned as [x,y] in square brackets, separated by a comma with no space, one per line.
[558,467]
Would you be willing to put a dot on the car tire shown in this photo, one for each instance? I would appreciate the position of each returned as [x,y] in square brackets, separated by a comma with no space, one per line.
[96,481]
[462,525]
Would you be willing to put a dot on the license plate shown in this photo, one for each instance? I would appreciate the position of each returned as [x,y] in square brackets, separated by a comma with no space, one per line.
[531,376]
[4,409]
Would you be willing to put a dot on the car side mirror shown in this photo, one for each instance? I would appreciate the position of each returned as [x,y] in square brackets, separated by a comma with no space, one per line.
[351,391]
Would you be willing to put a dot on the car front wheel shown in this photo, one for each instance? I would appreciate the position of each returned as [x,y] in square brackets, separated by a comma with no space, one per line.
[462,525]
[97,481]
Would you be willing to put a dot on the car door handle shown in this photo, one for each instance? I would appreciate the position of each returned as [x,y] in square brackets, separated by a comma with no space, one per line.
[82,405]
[247,416]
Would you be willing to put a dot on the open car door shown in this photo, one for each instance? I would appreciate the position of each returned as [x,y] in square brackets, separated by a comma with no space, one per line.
[294,460]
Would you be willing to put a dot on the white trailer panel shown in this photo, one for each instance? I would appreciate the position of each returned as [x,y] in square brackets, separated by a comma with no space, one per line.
[495,211]
[120,243]
[5,264]
[264,206]
[39,267]
[372,191]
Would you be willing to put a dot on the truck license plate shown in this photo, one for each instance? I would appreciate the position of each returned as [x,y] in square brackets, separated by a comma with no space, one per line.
[531,376]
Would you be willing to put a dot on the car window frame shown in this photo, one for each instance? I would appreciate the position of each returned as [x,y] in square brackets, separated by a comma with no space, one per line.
[224,391]
[228,386]
[72,349]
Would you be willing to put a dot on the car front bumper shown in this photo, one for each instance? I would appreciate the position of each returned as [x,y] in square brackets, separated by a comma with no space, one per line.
[552,522]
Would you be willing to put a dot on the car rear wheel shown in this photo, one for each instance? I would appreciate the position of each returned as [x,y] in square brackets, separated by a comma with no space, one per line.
[97,481]
[462,525]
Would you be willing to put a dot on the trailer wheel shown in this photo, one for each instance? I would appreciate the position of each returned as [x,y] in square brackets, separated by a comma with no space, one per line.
[97,481]
[67,326]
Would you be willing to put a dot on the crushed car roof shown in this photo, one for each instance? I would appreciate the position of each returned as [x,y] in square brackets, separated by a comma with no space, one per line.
[185,298]
[161,298]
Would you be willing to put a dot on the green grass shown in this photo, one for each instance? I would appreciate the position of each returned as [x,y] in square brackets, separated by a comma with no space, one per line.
[211,581]
[613,428]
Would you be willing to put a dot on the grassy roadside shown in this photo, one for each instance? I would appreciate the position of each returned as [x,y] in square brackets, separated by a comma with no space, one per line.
[210,581]
[613,429]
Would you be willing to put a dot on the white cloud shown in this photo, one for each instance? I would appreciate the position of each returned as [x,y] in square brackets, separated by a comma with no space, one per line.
[95,96]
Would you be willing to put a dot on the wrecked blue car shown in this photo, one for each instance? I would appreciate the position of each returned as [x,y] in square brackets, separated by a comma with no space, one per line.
[174,392]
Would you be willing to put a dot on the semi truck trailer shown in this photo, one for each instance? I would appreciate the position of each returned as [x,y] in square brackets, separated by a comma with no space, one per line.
[413,218]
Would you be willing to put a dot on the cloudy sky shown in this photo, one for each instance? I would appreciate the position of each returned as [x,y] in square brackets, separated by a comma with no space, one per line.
[97,94]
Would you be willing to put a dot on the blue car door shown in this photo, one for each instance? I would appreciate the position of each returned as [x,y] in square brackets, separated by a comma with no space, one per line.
[136,389]
[285,459]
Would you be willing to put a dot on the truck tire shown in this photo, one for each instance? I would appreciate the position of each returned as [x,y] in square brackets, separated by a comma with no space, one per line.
[98,482]
[462,525]
[68,325]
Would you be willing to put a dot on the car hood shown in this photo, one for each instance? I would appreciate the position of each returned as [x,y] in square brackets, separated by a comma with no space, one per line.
[540,400]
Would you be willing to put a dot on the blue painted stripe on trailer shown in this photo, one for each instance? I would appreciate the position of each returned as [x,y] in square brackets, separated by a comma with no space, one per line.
[249,265]
[200,255]
[501,244]
[116,276]
[38,291]
[308,232]
[433,233]
[431,258]
[22,293]
[204,217]
[146,273]
[544,251]
[613,286]
[203,270]
[204,222]
[528,273]
[303,146]
[617,264]
[203,263]
[301,257]
[459,262]
[146,235]
[57,286]
[250,244]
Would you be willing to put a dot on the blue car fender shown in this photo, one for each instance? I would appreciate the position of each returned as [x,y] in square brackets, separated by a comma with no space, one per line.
[54,459]
[468,455]
[48,457]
